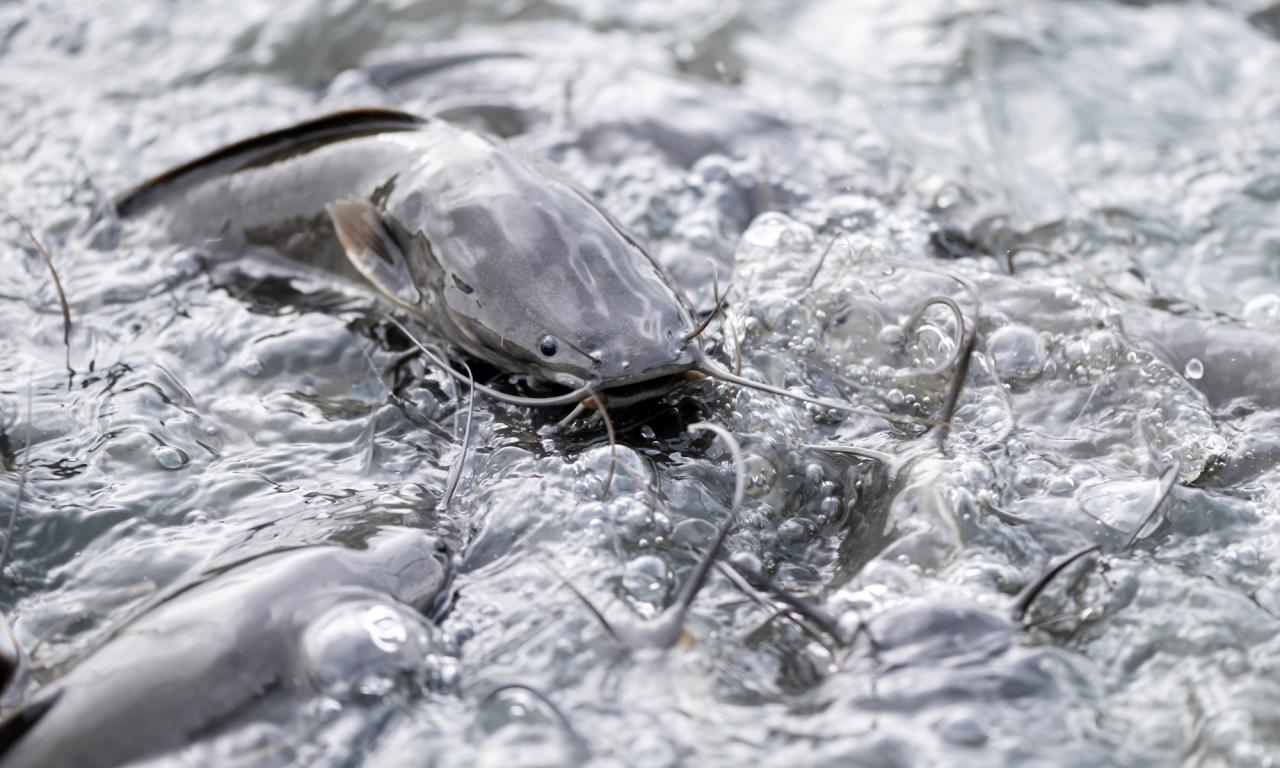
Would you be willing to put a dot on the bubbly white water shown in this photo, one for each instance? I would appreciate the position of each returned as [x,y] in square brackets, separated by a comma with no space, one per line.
[1137,139]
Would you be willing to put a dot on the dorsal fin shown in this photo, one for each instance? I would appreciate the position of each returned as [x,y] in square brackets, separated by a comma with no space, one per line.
[267,148]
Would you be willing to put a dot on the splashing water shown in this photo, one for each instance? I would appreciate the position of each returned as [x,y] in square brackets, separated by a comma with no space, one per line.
[821,152]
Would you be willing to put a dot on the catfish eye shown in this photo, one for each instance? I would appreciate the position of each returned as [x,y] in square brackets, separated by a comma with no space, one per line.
[548,346]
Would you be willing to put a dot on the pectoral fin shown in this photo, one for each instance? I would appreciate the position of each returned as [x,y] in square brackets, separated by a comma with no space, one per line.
[373,250]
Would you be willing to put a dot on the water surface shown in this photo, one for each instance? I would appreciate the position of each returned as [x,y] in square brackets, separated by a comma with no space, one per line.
[198,416]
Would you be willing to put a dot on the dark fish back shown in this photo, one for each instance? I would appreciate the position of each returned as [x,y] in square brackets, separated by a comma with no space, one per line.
[265,149]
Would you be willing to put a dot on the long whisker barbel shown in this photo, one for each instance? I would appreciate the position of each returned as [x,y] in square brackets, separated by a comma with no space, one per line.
[709,368]
[1022,605]
[718,309]
[455,472]
[572,732]
[1070,258]
[892,463]
[961,334]
[795,604]
[964,350]
[57,284]
[737,346]
[569,398]
[965,337]
[822,260]
[819,634]
[586,602]
[666,630]
[573,415]
[1168,478]
[963,356]
[706,367]
[22,485]
[675,625]
[613,440]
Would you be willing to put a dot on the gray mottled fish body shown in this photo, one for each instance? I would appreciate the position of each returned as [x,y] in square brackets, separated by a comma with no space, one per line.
[1223,360]
[208,654]
[271,191]
[603,116]
[503,259]
[609,110]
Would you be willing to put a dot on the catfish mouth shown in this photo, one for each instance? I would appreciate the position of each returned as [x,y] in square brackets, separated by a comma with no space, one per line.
[656,381]
[649,388]
[646,384]
[649,384]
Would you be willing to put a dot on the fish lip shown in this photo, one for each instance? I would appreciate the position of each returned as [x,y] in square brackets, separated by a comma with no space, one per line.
[632,389]
[566,379]
[684,359]
[603,384]
[663,372]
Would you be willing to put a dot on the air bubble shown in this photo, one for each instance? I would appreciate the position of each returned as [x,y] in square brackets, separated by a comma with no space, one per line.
[251,366]
[814,473]
[648,579]
[794,531]
[169,457]
[1262,310]
[892,336]
[1018,353]
[385,627]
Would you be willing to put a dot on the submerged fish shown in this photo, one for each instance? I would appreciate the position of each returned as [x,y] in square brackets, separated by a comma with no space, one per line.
[205,656]
[607,109]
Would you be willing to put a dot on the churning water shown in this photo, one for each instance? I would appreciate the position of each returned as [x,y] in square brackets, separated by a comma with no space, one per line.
[846,162]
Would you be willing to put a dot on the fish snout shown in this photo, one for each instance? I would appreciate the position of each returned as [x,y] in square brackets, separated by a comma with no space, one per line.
[432,601]
[417,565]
[638,365]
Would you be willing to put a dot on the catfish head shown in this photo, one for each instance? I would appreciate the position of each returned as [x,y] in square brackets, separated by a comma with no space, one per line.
[520,268]
[415,567]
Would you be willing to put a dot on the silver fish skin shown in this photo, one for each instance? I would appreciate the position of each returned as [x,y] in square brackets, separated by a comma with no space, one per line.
[495,254]
[204,655]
